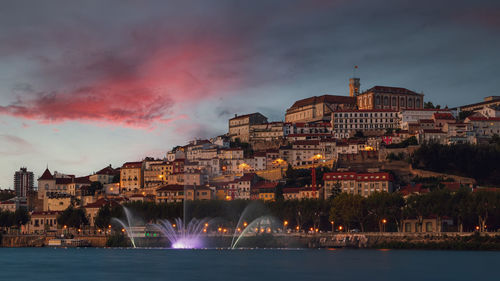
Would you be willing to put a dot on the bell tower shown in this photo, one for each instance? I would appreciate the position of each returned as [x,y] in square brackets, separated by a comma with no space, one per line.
[354,84]
[353,87]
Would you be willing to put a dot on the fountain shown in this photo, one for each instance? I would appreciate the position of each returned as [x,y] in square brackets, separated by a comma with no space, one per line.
[130,225]
[262,224]
[183,236]
[189,235]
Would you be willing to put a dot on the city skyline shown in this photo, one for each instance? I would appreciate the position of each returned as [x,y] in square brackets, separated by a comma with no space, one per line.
[80,92]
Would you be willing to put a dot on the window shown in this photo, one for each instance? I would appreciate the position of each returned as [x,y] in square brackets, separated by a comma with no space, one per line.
[407,227]
[428,227]
[393,101]
[386,101]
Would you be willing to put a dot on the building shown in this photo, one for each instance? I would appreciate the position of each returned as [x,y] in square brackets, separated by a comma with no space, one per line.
[318,109]
[266,132]
[239,126]
[178,193]
[46,183]
[391,98]
[363,184]
[370,122]
[484,127]
[92,209]
[432,135]
[23,182]
[131,176]
[42,222]
[413,116]
[57,202]
[105,175]
[491,101]
[13,204]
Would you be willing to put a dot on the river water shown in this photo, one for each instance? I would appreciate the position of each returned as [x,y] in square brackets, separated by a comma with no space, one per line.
[301,264]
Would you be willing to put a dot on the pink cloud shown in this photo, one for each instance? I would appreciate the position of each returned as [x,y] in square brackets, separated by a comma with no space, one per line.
[142,96]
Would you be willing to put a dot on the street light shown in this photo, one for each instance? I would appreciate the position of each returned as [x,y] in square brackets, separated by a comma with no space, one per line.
[332,222]
[340,228]
[285,223]
[384,221]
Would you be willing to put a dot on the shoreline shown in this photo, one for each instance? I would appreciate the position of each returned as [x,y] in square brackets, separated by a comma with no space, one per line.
[489,241]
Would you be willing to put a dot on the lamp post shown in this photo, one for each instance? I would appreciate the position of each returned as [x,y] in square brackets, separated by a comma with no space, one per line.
[285,223]
[332,223]
[384,221]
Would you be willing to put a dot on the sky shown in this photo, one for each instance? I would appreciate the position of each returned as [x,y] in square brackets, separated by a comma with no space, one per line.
[85,84]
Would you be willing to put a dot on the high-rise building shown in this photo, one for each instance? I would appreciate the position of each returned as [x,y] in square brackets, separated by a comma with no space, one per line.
[23,182]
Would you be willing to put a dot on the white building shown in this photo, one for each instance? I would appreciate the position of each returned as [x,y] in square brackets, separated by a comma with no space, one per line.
[346,123]
[408,116]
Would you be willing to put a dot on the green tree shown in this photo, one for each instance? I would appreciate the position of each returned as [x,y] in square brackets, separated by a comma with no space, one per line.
[460,207]
[348,209]
[73,217]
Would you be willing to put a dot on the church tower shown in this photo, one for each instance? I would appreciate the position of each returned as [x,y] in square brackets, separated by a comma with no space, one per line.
[354,87]
[354,84]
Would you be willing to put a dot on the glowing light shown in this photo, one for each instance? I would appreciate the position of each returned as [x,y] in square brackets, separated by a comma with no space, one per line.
[340,227]
[384,221]
[285,223]
[245,224]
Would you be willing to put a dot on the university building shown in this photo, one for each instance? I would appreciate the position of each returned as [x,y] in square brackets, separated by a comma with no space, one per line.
[369,121]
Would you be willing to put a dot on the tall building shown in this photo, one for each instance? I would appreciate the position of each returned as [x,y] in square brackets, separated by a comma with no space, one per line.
[23,182]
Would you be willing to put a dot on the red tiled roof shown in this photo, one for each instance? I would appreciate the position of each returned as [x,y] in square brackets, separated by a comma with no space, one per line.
[106,171]
[246,115]
[324,99]
[452,186]
[102,202]
[132,165]
[306,142]
[367,110]
[409,189]
[390,90]
[443,116]
[64,180]
[247,177]
[46,175]
[474,118]
[288,190]
[265,184]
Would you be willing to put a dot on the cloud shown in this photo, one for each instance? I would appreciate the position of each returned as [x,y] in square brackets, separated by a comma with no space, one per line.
[14,145]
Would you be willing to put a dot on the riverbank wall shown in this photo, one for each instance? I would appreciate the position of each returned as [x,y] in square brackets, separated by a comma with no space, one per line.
[448,240]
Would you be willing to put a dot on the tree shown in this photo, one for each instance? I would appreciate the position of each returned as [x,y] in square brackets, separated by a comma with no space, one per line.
[336,190]
[73,217]
[95,186]
[464,114]
[278,193]
[483,204]
[348,209]
[460,207]
[21,217]
[106,213]
[429,105]
[438,202]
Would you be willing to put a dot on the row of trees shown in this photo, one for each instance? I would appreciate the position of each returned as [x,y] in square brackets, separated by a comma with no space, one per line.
[476,161]
[14,219]
[378,212]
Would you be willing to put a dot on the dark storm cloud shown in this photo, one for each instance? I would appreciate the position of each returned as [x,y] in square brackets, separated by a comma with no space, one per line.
[174,52]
